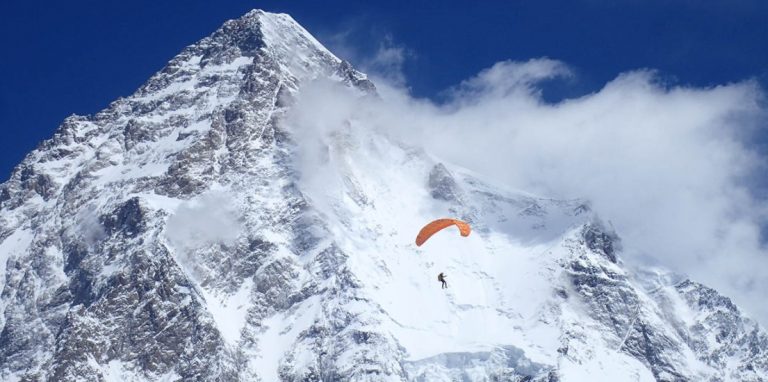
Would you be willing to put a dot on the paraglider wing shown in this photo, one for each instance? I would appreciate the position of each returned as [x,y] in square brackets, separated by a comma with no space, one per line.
[439,224]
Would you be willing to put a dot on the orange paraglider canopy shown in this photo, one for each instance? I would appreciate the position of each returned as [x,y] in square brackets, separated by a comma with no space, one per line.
[439,224]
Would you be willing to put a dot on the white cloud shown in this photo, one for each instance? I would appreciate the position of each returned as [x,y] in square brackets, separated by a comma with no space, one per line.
[387,63]
[88,227]
[670,167]
[206,220]
[507,77]
[383,62]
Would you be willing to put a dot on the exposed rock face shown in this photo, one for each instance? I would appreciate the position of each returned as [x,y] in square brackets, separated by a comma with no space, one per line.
[442,184]
[172,237]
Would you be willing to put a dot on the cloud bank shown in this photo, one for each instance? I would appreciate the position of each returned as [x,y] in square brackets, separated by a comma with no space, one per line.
[671,167]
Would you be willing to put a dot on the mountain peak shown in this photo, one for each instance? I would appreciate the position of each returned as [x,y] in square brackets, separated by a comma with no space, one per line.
[270,44]
[173,236]
[259,29]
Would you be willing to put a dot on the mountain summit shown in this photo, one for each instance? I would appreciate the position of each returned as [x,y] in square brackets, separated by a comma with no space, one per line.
[186,233]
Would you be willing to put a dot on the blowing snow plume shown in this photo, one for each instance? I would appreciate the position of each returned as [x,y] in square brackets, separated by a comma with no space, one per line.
[671,166]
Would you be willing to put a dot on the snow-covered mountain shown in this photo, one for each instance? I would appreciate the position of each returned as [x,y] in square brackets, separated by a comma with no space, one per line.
[176,235]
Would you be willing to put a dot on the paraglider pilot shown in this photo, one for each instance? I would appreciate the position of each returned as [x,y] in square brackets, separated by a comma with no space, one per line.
[441,278]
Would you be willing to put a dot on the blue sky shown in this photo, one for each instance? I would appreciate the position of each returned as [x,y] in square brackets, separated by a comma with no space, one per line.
[70,57]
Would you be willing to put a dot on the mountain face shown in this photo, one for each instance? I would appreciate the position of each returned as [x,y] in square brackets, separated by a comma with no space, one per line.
[176,235]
